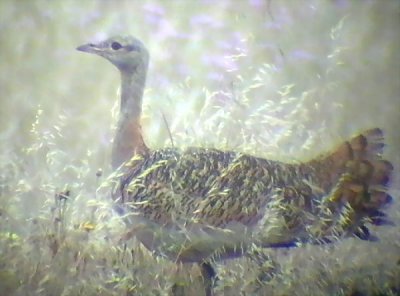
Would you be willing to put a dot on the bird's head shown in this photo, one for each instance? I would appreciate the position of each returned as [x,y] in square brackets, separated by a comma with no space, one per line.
[127,53]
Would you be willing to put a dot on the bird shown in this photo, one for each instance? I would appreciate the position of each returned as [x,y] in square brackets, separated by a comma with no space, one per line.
[196,205]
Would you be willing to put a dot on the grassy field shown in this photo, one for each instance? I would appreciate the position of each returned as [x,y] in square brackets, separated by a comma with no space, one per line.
[285,80]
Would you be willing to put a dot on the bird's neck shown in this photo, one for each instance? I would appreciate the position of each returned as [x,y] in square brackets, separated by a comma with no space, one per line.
[132,87]
[128,139]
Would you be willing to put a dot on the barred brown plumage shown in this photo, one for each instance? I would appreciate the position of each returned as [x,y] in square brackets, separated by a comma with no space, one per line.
[269,203]
[199,204]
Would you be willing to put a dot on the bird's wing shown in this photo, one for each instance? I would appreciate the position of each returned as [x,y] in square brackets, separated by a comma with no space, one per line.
[194,203]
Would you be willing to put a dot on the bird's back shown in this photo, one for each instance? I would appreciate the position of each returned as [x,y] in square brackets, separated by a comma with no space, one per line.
[198,203]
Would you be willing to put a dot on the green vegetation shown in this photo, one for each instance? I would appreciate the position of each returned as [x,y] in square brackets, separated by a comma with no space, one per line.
[278,79]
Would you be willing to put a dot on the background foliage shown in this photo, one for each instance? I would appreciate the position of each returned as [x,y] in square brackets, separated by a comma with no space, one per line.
[278,79]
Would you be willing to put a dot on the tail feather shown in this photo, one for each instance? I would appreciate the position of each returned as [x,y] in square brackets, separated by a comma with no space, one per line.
[360,178]
[379,218]
[368,145]
[381,173]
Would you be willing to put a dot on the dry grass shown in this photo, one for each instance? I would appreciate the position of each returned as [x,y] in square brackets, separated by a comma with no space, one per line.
[283,80]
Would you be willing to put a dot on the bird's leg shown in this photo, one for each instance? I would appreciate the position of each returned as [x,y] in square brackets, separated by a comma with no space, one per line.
[209,277]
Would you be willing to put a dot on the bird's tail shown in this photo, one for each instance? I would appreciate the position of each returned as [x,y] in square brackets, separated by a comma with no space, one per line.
[357,179]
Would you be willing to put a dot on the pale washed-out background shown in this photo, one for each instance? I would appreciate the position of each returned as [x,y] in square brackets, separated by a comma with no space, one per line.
[279,79]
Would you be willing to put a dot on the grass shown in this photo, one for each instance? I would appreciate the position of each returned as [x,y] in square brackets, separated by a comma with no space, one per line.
[281,80]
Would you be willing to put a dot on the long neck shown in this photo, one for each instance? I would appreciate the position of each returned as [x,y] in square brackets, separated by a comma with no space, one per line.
[132,87]
[128,139]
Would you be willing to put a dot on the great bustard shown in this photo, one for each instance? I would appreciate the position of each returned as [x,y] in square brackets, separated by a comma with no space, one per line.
[197,204]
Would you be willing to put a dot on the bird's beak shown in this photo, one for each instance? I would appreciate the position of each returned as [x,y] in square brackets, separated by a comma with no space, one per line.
[90,48]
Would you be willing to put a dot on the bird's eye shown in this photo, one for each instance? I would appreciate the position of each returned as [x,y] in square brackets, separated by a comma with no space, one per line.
[116,45]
